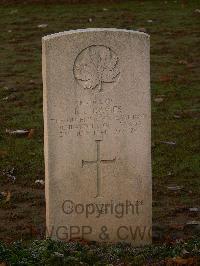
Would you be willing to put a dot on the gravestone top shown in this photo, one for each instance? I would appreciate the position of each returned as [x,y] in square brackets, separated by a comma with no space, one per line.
[97,135]
[60,34]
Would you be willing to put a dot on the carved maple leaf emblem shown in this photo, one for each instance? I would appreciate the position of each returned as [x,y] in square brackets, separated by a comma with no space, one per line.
[96,65]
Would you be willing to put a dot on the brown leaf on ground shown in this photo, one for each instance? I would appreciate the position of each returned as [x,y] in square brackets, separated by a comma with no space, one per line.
[3,154]
[32,229]
[8,196]
[31,133]
[165,78]
[190,65]
[180,261]
[176,227]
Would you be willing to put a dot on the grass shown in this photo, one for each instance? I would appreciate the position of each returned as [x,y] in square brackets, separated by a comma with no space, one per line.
[50,252]
[174,29]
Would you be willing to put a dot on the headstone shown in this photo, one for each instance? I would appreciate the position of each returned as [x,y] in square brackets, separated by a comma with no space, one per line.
[97,121]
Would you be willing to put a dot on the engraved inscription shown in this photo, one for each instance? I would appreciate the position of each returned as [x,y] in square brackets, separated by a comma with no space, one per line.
[97,117]
[98,163]
[95,66]
[102,120]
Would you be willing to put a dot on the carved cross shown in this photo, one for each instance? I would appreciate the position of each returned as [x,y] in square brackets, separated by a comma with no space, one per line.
[98,163]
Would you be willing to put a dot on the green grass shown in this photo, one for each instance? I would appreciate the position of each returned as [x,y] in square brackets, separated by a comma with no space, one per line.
[175,76]
[50,252]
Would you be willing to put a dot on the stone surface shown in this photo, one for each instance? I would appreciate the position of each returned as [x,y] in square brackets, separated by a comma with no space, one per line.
[97,121]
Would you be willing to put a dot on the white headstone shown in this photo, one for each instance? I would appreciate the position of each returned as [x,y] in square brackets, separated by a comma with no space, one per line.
[97,121]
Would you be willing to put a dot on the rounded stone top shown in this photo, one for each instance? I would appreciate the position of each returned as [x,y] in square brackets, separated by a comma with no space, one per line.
[64,33]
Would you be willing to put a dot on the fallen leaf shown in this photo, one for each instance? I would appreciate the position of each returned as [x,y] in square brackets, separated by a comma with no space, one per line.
[182,62]
[10,89]
[193,223]
[33,230]
[194,209]
[5,98]
[192,227]
[42,26]
[18,132]
[178,227]
[5,196]
[197,11]
[158,100]
[31,133]
[3,153]
[174,188]
[177,116]
[168,142]
[9,98]
[40,181]
[165,78]
[190,65]
[180,261]
[8,196]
